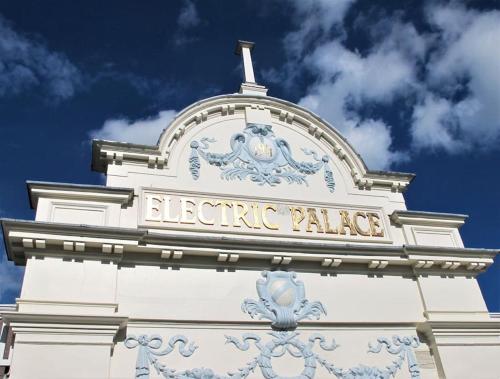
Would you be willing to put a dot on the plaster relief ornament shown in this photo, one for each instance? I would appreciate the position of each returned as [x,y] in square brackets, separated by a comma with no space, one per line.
[259,155]
[282,301]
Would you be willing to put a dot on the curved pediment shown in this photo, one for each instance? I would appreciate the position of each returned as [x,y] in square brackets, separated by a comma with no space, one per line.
[303,143]
[256,143]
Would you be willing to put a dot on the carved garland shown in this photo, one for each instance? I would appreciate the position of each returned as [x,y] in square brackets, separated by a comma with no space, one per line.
[259,155]
[282,301]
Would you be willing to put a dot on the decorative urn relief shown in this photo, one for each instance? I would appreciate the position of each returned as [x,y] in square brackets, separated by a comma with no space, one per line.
[282,300]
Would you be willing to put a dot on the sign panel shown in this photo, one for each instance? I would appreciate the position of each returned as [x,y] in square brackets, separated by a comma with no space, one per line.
[198,212]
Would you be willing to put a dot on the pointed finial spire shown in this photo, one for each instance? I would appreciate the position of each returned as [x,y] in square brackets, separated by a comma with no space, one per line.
[249,86]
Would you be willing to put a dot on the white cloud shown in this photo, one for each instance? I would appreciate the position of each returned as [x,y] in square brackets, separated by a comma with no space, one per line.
[188,16]
[188,19]
[433,124]
[391,34]
[378,76]
[26,64]
[145,131]
[314,20]
[450,18]
[465,66]
[448,77]
[372,139]
[347,81]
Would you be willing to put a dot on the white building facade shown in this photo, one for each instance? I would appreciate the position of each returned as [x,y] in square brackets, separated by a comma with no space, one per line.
[250,242]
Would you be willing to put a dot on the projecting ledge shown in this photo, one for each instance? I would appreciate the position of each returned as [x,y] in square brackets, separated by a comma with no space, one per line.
[37,190]
[75,308]
[462,333]
[64,329]
[27,238]
[404,217]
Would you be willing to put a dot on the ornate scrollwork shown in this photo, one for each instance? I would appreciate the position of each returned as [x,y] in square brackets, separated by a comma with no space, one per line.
[282,301]
[149,350]
[259,155]
[282,343]
[403,348]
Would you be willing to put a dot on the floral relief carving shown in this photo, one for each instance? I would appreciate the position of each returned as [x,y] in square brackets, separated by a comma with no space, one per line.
[282,300]
[257,154]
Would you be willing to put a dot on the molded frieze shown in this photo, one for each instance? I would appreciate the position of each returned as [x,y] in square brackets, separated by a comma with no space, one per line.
[282,301]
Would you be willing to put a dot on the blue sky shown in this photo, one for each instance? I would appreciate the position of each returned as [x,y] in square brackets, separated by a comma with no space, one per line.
[414,85]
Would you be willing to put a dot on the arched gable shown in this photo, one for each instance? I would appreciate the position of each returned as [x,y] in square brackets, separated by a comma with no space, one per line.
[221,109]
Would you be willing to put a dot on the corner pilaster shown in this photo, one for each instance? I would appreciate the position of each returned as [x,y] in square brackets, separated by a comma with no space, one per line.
[75,341]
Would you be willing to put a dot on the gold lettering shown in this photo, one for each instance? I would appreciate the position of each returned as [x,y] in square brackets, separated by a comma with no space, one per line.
[356,225]
[328,228]
[187,211]
[153,212]
[298,215]
[312,219]
[166,211]
[374,221]
[265,220]
[254,215]
[223,211]
[256,218]
[201,216]
[345,221]
[240,211]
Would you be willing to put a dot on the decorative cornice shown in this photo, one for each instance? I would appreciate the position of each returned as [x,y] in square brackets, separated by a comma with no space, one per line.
[7,308]
[463,325]
[400,217]
[66,307]
[72,191]
[243,324]
[457,316]
[24,317]
[21,236]
[45,328]
[106,152]
[462,333]
[27,238]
